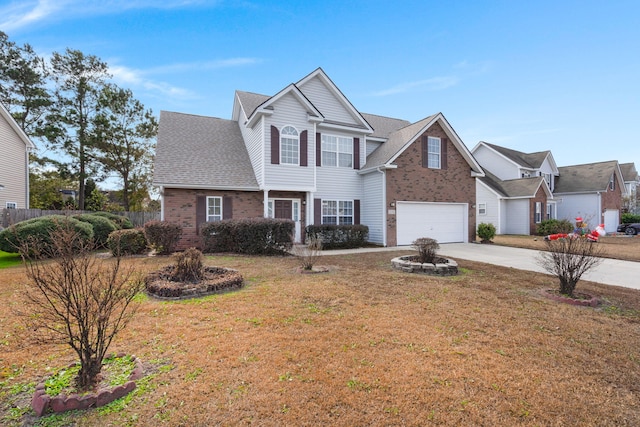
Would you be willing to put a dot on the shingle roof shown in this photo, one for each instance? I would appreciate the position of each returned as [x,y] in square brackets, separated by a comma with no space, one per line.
[520,187]
[250,101]
[201,151]
[528,160]
[395,143]
[629,172]
[588,177]
[384,126]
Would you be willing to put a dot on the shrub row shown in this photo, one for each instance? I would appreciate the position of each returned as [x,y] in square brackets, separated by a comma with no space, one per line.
[629,218]
[339,236]
[38,231]
[554,226]
[254,236]
[162,236]
[130,241]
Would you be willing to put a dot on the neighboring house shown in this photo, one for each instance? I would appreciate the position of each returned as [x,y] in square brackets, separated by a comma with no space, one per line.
[516,192]
[631,183]
[14,163]
[591,191]
[307,154]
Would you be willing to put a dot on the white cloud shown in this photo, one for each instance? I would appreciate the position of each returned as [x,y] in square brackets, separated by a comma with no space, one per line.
[202,65]
[434,83]
[137,79]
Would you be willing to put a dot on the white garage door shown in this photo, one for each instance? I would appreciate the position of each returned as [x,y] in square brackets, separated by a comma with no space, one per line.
[445,222]
[611,220]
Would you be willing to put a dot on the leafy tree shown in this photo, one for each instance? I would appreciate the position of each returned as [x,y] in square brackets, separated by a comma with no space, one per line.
[79,79]
[45,185]
[23,86]
[124,140]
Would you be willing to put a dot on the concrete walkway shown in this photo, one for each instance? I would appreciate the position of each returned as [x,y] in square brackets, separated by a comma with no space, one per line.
[610,271]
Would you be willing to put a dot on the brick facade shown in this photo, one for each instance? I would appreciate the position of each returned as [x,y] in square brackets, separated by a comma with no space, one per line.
[541,197]
[411,181]
[180,208]
[611,199]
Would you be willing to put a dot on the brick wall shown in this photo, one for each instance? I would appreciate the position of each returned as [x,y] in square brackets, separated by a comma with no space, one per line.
[410,181]
[541,197]
[611,199]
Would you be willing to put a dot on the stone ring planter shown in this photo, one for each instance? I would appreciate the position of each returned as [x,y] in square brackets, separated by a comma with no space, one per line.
[443,266]
[41,401]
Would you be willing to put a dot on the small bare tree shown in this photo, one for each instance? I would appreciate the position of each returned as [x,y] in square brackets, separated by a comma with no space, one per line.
[568,259]
[426,248]
[76,299]
[310,252]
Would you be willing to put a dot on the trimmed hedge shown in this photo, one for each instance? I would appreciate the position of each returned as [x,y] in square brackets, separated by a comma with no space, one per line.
[121,221]
[629,218]
[162,236]
[39,230]
[130,241]
[102,227]
[339,236]
[253,236]
[554,226]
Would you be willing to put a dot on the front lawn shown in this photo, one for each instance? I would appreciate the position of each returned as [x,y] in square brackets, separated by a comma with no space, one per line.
[9,260]
[361,345]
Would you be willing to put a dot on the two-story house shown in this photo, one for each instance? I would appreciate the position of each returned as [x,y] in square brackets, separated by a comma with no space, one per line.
[14,163]
[592,191]
[307,154]
[516,192]
[631,183]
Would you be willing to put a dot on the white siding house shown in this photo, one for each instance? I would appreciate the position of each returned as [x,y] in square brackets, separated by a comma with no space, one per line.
[14,163]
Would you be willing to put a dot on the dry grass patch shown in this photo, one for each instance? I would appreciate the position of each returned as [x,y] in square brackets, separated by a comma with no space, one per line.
[364,345]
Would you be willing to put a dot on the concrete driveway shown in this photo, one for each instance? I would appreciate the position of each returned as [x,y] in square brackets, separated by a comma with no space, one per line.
[610,271]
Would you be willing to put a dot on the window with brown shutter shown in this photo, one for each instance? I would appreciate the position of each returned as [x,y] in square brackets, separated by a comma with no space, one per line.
[303,148]
[275,146]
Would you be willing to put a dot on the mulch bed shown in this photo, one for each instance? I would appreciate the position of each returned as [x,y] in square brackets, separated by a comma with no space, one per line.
[161,284]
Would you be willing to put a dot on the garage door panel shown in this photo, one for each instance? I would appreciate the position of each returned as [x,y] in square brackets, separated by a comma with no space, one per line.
[444,222]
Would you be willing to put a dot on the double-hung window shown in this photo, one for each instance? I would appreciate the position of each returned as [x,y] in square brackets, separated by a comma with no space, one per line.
[538,214]
[482,208]
[337,151]
[337,212]
[289,146]
[433,152]
[214,209]
[549,211]
[612,183]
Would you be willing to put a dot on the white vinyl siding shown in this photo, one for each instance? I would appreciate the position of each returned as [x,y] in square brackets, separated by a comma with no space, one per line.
[490,200]
[496,164]
[253,139]
[326,102]
[13,167]
[371,146]
[289,112]
[586,206]
[214,209]
[372,207]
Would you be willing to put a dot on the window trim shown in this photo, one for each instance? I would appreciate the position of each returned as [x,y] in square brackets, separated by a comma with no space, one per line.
[549,211]
[337,215]
[337,151]
[612,182]
[295,143]
[210,216]
[538,213]
[482,207]
[15,205]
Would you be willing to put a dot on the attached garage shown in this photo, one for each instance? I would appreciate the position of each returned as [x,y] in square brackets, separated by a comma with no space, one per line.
[611,220]
[445,222]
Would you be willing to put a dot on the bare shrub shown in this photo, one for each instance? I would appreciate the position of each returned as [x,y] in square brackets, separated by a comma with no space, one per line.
[310,252]
[77,299]
[188,266]
[568,259]
[426,248]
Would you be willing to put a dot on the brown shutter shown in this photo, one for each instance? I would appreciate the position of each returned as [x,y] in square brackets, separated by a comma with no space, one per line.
[201,212]
[227,207]
[356,211]
[275,145]
[443,152]
[356,153]
[303,148]
[318,149]
[317,211]
[425,151]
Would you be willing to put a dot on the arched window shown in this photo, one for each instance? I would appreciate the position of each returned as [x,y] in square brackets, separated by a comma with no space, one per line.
[289,146]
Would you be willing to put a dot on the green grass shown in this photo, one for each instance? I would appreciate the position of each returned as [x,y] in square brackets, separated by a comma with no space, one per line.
[9,260]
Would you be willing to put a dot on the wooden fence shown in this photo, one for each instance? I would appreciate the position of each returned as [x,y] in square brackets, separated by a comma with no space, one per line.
[13,216]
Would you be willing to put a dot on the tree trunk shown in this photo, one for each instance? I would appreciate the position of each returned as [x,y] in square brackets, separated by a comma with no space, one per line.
[88,373]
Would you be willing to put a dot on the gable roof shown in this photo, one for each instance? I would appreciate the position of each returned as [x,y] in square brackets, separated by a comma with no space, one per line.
[402,138]
[591,177]
[515,188]
[526,160]
[629,172]
[4,113]
[201,152]
[250,101]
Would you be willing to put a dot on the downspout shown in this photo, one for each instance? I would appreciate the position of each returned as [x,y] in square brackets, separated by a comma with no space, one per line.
[384,206]
[161,203]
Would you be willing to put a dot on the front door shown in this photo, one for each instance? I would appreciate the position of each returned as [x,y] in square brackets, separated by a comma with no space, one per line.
[287,209]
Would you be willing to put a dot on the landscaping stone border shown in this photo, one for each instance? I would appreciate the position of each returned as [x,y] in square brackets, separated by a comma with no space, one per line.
[447,267]
[41,401]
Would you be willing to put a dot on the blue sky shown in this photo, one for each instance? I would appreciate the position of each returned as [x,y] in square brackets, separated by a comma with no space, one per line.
[547,75]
